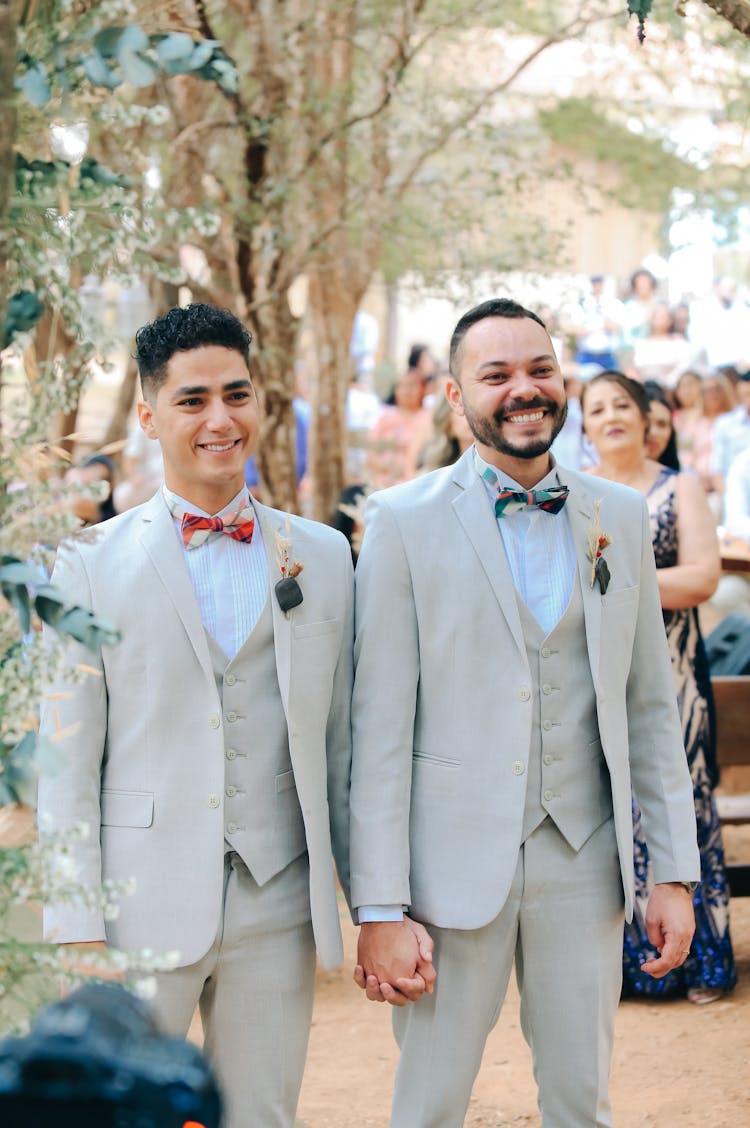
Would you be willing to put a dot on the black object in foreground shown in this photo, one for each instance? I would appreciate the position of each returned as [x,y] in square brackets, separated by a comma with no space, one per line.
[97,1060]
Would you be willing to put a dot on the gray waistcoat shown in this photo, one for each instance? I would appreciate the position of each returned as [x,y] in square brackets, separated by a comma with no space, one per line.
[568,780]
[262,816]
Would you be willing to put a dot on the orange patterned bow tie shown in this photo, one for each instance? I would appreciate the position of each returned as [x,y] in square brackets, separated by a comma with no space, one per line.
[196,529]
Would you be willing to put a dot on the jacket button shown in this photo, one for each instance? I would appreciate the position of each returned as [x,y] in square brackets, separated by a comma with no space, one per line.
[524,694]
[214,801]
[518,768]
[214,720]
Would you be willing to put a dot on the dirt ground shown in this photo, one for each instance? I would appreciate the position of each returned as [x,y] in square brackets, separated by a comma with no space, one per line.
[676,1065]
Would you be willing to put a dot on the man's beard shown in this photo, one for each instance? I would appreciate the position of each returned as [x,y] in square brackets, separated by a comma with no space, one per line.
[489,431]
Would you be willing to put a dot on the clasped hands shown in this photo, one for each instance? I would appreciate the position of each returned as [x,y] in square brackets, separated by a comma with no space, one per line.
[394,962]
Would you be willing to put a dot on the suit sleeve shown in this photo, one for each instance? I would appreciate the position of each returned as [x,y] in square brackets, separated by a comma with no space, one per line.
[384,702]
[74,718]
[338,733]
[658,763]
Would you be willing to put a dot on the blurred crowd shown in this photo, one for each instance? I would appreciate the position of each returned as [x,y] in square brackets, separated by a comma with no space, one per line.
[696,353]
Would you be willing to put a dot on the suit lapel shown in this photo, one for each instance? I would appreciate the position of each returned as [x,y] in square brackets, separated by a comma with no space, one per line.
[473,510]
[580,510]
[272,525]
[162,546]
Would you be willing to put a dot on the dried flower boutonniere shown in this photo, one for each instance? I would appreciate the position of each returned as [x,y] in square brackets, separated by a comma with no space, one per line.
[288,591]
[598,541]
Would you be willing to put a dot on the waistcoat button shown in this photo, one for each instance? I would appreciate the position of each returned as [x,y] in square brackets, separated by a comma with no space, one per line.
[231,754]
[231,791]
[230,679]
[231,828]
[548,795]
[546,725]
[231,715]
[546,652]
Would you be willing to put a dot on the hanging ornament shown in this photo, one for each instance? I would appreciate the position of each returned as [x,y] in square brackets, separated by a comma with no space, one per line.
[641,9]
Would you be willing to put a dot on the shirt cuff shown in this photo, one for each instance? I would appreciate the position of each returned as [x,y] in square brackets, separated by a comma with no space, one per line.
[369,914]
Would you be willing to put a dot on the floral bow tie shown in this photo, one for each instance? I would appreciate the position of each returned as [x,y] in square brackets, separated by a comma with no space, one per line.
[196,530]
[510,501]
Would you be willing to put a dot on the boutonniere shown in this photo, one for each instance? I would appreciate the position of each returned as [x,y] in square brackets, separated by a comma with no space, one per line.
[598,541]
[288,591]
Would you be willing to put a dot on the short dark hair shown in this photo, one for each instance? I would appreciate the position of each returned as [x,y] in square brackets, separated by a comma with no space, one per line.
[493,307]
[181,330]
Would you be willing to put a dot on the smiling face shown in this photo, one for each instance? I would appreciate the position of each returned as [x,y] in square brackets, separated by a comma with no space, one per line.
[510,391]
[612,419]
[205,416]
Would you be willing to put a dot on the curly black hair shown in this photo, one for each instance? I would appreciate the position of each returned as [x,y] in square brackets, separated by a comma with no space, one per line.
[180,330]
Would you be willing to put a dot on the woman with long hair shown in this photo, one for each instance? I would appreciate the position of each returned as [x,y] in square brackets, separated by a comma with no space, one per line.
[615,418]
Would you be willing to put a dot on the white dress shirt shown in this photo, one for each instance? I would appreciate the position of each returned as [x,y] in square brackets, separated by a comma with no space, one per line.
[538,546]
[541,556]
[229,577]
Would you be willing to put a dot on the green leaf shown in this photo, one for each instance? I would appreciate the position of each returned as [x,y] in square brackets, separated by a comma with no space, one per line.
[83,626]
[132,39]
[34,84]
[203,53]
[178,46]
[15,571]
[107,40]
[50,604]
[136,70]
[98,73]
[17,594]
[23,311]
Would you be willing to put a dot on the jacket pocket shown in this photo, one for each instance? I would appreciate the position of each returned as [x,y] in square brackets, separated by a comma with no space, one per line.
[127,808]
[312,630]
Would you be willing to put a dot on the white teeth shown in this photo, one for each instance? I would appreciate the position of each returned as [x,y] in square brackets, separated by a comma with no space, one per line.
[532,417]
[218,446]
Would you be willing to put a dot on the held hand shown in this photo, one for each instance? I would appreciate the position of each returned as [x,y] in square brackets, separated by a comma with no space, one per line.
[670,924]
[426,945]
[388,955]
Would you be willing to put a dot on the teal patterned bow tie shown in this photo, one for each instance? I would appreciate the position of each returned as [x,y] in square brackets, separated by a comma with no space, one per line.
[511,501]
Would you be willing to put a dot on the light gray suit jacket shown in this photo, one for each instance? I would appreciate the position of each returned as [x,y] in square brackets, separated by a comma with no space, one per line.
[144,744]
[440,711]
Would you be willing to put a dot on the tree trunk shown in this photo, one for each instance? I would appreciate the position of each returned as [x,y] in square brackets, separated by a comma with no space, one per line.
[333,306]
[735,12]
[117,428]
[273,371]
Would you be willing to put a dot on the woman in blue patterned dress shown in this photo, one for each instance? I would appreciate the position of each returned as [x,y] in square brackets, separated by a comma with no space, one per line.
[615,415]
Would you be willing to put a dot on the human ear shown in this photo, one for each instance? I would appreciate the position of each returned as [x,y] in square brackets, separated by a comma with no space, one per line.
[146,419]
[453,395]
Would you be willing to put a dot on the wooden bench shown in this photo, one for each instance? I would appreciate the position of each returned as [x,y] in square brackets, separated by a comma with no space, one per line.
[732,695]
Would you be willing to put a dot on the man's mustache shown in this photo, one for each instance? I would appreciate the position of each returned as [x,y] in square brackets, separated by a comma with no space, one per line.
[526,405]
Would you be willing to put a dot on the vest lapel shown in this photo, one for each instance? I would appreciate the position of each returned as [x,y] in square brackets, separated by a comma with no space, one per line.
[473,510]
[162,546]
